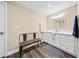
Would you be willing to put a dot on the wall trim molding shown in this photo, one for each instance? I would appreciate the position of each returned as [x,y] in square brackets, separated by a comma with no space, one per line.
[5,35]
[12,52]
[17,49]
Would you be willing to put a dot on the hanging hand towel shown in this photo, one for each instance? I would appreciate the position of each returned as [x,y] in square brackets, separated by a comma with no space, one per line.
[75,28]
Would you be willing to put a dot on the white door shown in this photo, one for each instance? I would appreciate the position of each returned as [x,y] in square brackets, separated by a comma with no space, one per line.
[2,23]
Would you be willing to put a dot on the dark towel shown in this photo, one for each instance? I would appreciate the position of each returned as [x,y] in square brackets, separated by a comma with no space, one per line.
[75,28]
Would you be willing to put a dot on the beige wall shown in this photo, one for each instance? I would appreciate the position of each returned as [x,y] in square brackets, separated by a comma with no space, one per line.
[26,19]
[70,12]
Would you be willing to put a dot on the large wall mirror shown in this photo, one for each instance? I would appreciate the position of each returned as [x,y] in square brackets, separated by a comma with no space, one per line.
[62,20]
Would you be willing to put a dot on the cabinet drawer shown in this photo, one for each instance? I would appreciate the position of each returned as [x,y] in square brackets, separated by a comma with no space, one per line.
[63,36]
[67,43]
[67,40]
[57,35]
[70,38]
[67,37]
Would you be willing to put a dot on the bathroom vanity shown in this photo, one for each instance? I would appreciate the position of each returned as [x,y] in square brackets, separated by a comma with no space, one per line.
[63,41]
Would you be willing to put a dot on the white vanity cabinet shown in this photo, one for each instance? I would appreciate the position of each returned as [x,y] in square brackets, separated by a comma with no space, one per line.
[48,38]
[64,42]
[53,39]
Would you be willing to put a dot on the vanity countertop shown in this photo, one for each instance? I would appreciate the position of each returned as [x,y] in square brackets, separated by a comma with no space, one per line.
[60,32]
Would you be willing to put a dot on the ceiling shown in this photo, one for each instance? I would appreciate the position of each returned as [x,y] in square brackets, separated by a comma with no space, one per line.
[47,7]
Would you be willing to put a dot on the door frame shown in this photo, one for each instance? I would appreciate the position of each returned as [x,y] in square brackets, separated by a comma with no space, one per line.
[5,29]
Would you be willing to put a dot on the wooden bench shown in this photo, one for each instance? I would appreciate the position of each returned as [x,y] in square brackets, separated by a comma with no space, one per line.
[27,42]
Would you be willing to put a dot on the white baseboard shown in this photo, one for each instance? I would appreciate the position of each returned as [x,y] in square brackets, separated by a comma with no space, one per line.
[12,52]
[17,50]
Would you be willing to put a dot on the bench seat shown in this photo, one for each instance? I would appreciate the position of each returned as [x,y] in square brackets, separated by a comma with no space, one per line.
[30,42]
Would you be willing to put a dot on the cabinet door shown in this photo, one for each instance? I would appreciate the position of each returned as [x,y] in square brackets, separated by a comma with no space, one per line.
[47,37]
[63,42]
[57,40]
[67,44]
[66,47]
[78,48]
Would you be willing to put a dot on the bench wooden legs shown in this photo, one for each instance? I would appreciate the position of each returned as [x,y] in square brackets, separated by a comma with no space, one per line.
[40,43]
[20,51]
